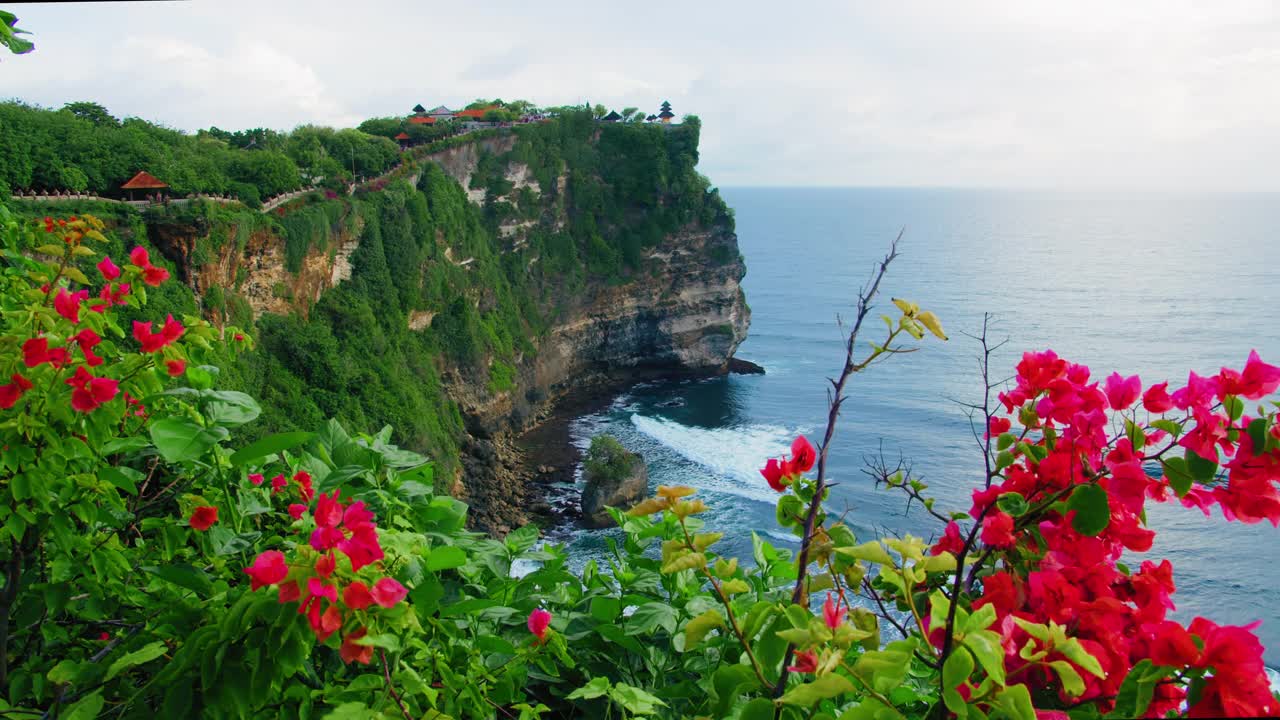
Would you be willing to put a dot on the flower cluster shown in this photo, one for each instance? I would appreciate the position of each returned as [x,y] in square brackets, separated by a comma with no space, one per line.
[781,472]
[319,575]
[1068,449]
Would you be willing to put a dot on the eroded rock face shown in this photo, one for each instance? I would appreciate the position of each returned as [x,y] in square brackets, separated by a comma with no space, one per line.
[622,492]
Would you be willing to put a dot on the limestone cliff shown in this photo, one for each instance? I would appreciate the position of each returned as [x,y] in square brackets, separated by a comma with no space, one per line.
[669,304]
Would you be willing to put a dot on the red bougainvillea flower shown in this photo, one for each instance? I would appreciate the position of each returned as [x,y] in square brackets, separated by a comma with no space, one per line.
[1156,399]
[103,636]
[387,592]
[806,662]
[67,304]
[238,337]
[108,269]
[998,426]
[303,478]
[289,591]
[256,479]
[1258,379]
[279,483]
[351,651]
[297,510]
[832,613]
[87,340]
[772,473]
[154,275]
[803,456]
[90,392]
[357,596]
[154,341]
[36,352]
[204,517]
[1239,686]
[1122,391]
[997,530]
[323,624]
[138,256]
[13,391]
[950,541]
[538,622]
[268,568]
[326,565]
[175,367]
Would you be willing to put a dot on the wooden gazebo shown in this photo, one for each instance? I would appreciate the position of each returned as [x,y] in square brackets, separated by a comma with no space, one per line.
[143,181]
[403,139]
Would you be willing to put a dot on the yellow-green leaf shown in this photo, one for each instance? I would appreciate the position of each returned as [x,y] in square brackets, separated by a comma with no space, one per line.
[698,627]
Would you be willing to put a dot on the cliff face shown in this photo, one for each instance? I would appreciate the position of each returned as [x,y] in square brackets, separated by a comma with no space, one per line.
[674,308]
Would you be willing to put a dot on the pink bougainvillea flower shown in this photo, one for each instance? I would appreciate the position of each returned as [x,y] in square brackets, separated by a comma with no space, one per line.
[279,483]
[806,662]
[175,367]
[357,596]
[951,541]
[87,340]
[351,651]
[297,510]
[1156,399]
[327,623]
[362,547]
[67,304]
[803,455]
[204,517]
[256,479]
[772,472]
[387,592]
[318,588]
[1122,391]
[138,256]
[539,621]
[1200,392]
[303,478]
[108,269]
[997,530]
[998,426]
[1258,379]
[268,568]
[832,613]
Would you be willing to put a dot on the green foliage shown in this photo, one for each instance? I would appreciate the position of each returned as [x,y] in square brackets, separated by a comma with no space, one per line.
[607,459]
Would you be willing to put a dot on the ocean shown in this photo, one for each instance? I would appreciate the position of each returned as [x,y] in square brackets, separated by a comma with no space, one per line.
[1153,284]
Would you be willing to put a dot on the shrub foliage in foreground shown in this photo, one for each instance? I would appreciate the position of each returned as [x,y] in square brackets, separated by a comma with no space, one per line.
[152,565]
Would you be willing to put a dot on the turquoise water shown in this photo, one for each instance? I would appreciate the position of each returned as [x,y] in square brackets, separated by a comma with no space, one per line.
[1147,284]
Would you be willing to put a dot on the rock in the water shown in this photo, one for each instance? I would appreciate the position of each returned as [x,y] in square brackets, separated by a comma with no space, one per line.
[615,477]
[738,366]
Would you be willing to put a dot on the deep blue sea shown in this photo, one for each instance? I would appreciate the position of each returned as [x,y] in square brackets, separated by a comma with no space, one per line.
[1154,284]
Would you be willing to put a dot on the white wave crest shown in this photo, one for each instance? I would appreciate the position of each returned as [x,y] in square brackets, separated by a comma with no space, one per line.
[733,456]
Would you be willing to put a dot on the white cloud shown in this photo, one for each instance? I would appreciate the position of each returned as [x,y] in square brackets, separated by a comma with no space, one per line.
[1088,94]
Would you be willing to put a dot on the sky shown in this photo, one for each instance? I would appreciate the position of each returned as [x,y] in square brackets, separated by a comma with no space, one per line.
[1142,95]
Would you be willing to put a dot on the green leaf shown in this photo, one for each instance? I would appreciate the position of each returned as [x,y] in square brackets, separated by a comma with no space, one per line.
[1013,503]
[981,619]
[870,551]
[1202,469]
[1258,434]
[605,609]
[1005,441]
[1015,701]
[1175,470]
[445,557]
[635,700]
[180,440]
[1137,690]
[123,477]
[757,709]
[1093,514]
[268,446]
[598,687]
[521,539]
[1071,680]
[985,646]
[231,408]
[144,655]
[651,616]
[1234,407]
[1075,652]
[827,686]
[728,682]
[86,708]
[697,628]
[184,576]
[956,670]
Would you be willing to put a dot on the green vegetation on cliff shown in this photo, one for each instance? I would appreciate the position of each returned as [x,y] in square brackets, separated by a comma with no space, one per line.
[427,258]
